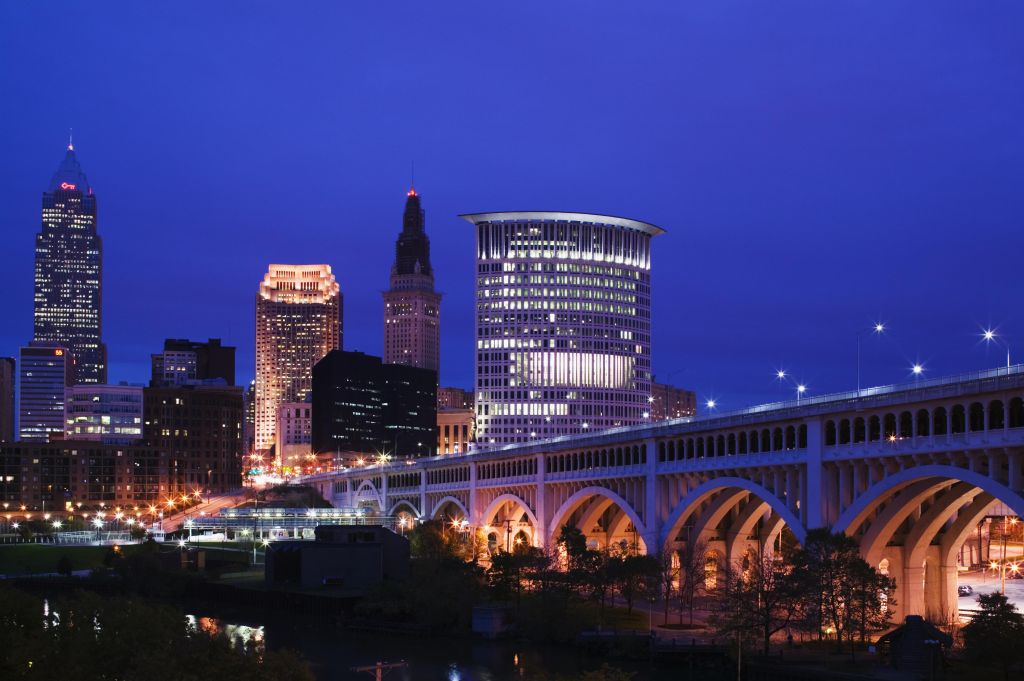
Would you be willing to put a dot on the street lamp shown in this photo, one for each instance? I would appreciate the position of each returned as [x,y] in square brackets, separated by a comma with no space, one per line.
[990,336]
[800,390]
[877,328]
[917,369]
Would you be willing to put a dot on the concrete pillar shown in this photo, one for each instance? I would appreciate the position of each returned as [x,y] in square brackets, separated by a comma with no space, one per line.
[384,505]
[911,591]
[651,492]
[793,489]
[541,510]
[949,604]
[474,512]
[424,511]
[813,511]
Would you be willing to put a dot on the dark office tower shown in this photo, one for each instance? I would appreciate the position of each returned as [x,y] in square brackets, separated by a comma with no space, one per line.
[410,410]
[184,361]
[7,399]
[69,272]
[198,429]
[412,309]
[361,406]
[347,403]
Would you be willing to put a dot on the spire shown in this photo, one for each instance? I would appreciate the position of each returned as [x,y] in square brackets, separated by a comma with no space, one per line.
[412,180]
[71,139]
[412,250]
[69,175]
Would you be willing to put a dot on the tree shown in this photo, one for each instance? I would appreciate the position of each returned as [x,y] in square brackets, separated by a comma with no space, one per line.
[692,559]
[88,637]
[995,636]
[634,576]
[760,600]
[668,572]
[64,566]
[841,590]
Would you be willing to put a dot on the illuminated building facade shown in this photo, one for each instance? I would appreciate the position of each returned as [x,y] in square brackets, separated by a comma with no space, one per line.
[454,430]
[183,361]
[294,439]
[45,372]
[670,402]
[563,328]
[298,321]
[454,398]
[69,272]
[7,380]
[103,413]
[412,308]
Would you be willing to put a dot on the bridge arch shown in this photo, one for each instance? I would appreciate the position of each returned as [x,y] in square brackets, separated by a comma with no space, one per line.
[533,533]
[367,489]
[854,516]
[693,500]
[443,502]
[407,505]
[574,502]
[926,576]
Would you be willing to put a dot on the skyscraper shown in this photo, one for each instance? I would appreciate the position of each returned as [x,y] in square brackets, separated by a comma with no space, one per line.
[69,272]
[412,309]
[298,321]
[363,406]
[45,372]
[563,341]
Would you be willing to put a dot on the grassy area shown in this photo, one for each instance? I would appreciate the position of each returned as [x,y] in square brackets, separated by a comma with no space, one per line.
[26,559]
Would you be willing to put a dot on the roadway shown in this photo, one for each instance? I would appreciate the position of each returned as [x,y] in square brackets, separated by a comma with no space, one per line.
[210,506]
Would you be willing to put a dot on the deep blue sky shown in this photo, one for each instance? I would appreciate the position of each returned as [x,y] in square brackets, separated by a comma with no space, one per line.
[817,165]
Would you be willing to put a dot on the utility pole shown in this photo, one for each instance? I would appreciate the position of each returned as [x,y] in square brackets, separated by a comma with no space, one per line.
[378,670]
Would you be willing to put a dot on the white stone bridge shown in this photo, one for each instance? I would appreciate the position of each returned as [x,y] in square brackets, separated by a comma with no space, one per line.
[909,471]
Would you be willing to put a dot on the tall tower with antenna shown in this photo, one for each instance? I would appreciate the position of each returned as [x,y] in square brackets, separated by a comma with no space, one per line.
[412,308]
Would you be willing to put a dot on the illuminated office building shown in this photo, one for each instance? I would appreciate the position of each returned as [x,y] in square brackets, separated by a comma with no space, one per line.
[103,413]
[69,272]
[412,309]
[45,372]
[563,328]
[298,321]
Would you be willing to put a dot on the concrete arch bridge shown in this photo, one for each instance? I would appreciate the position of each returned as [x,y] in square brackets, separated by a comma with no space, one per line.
[910,471]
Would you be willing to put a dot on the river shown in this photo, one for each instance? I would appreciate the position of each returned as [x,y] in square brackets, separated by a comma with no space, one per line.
[333,652]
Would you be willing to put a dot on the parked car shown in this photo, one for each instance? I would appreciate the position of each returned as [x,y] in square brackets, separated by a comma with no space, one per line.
[964,590]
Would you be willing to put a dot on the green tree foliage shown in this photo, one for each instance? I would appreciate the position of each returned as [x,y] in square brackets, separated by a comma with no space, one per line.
[995,636]
[841,591]
[86,638]
[634,576]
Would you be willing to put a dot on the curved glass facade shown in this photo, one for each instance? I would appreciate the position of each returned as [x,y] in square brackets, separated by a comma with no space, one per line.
[563,327]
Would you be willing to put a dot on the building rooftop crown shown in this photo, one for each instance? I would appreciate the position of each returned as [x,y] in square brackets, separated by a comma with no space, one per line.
[69,175]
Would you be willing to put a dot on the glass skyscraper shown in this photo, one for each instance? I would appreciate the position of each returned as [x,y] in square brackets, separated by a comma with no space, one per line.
[563,325]
[45,372]
[69,272]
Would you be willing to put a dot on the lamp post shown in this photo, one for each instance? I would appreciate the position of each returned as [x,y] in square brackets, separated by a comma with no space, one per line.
[990,336]
[877,328]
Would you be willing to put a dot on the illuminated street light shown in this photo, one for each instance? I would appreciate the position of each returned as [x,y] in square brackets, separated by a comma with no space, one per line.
[710,404]
[57,524]
[877,328]
[990,336]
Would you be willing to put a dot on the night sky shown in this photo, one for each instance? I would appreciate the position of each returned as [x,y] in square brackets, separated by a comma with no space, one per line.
[818,166]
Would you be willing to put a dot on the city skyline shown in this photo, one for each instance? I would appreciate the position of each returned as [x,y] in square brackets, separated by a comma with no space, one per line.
[777,269]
